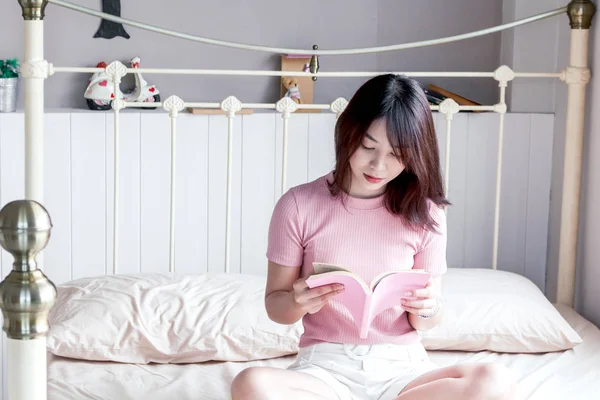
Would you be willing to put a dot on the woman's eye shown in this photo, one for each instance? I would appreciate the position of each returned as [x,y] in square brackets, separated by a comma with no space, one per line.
[366,148]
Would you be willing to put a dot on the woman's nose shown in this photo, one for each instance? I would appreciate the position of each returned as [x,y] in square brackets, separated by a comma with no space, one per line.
[377,163]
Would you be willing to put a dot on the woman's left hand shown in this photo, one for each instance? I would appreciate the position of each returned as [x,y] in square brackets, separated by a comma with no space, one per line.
[426,302]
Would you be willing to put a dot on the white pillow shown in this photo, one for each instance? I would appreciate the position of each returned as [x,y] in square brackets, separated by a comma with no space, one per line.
[161,318]
[497,311]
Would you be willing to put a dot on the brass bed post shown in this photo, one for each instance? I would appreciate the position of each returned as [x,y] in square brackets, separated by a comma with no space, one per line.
[26,297]
[576,76]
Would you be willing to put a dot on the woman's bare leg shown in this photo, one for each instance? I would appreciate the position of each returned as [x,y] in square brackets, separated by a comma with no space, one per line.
[464,382]
[263,383]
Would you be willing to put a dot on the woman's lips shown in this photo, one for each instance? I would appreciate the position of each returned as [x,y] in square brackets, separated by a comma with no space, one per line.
[373,179]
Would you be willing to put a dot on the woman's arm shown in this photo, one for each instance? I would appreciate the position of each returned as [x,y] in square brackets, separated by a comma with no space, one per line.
[430,258]
[288,298]
[279,299]
[429,302]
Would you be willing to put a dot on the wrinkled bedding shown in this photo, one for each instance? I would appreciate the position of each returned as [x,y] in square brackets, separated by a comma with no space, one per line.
[573,374]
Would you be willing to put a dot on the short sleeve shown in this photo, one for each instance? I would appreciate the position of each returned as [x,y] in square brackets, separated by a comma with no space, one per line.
[432,255]
[285,239]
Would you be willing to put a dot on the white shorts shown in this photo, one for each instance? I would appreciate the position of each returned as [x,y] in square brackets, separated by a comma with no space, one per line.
[365,372]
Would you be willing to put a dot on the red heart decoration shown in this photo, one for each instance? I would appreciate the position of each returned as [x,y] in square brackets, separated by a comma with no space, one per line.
[103,83]
[151,90]
[112,95]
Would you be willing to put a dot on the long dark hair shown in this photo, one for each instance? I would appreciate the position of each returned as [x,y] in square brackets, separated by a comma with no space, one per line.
[401,102]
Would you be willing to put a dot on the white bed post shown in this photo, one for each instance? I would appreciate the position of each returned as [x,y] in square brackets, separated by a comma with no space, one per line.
[230,105]
[26,294]
[576,75]
[173,105]
[26,297]
[34,69]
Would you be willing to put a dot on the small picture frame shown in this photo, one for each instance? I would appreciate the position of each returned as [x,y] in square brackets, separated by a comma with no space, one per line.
[299,88]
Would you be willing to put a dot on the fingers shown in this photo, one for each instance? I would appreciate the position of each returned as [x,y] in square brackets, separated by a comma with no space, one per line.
[420,304]
[427,293]
[322,291]
[316,303]
[419,311]
[300,285]
[312,300]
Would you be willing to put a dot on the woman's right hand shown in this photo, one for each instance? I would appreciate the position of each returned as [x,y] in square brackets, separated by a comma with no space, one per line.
[312,300]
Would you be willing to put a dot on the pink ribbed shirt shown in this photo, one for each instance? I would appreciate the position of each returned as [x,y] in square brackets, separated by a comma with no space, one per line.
[309,225]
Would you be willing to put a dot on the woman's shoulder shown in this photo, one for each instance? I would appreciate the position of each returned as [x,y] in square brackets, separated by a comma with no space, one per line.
[299,200]
[436,211]
[309,192]
[438,216]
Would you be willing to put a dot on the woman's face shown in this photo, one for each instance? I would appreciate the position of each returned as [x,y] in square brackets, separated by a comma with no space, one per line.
[374,163]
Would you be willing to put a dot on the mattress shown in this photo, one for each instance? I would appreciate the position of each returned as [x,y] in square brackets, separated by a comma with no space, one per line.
[573,374]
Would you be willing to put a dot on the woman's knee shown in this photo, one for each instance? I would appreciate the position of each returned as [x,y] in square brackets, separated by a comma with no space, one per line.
[491,381]
[251,383]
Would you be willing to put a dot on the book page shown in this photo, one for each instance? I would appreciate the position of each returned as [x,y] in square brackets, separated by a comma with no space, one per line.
[353,297]
[390,290]
[379,277]
[321,268]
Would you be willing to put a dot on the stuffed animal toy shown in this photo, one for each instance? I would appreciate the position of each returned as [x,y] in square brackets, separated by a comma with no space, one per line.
[293,90]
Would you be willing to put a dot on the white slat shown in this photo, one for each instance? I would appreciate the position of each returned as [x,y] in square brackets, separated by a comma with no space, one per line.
[321,148]
[217,182]
[513,196]
[258,188]
[128,235]
[57,195]
[155,176]
[191,197]
[12,172]
[88,195]
[458,170]
[538,197]
[482,149]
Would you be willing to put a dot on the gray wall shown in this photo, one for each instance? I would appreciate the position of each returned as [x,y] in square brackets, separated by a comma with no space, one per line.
[330,24]
[533,48]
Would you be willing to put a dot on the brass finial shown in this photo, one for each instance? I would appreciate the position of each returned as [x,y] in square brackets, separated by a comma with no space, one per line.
[314,63]
[33,9]
[26,294]
[580,14]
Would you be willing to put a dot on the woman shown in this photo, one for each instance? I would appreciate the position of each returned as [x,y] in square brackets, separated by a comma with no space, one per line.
[381,209]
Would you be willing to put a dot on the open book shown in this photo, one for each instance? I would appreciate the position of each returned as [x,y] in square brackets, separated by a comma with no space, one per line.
[366,301]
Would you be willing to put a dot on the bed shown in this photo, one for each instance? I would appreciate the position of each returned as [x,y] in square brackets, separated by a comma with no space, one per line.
[573,374]
[178,334]
[221,329]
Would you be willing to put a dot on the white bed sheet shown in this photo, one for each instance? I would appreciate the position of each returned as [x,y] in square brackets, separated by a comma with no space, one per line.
[574,374]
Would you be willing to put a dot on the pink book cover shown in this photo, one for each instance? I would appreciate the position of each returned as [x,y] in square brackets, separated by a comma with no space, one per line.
[366,301]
